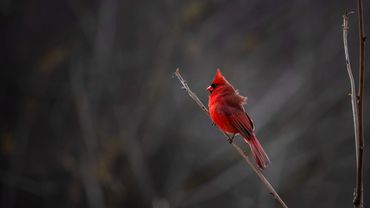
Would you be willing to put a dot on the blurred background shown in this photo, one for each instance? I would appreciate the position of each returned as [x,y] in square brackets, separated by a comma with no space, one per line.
[91,115]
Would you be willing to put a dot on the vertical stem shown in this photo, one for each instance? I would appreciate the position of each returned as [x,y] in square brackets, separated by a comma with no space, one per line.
[357,103]
[352,82]
[358,196]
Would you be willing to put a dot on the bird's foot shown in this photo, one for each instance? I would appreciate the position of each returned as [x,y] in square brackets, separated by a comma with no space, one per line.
[230,139]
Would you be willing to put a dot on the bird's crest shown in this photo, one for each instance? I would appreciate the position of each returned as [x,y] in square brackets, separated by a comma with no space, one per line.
[219,78]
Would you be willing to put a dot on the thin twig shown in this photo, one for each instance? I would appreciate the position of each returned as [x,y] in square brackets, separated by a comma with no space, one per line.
[358,196]
[351,79]
[241,152]
[357,119]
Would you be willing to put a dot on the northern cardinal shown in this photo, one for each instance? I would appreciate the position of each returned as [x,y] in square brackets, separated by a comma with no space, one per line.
[227,111]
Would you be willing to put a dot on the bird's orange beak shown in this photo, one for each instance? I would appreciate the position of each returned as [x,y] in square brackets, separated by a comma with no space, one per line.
[210,88]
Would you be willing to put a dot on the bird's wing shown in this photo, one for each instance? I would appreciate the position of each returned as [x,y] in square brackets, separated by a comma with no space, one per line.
[251,121]
[235,101]
[241,121]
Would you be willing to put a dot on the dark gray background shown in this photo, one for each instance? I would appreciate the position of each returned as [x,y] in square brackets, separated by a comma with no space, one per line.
[91,116]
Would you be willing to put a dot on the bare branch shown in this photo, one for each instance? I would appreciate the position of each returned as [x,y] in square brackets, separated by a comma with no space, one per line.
[191,93]
[241,152]
[356,101]
[358,196]
[353,93]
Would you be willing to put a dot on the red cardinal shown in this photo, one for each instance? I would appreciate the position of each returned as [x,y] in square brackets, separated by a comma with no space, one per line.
[227,111]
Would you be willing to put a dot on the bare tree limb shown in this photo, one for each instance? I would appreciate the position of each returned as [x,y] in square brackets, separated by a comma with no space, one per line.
[356,101]
[351,79]
[241,152]
[358,196]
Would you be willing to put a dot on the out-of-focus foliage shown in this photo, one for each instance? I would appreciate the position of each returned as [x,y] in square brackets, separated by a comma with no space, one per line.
[91,116]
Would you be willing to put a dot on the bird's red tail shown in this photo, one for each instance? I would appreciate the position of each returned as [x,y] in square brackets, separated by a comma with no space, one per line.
[258,152]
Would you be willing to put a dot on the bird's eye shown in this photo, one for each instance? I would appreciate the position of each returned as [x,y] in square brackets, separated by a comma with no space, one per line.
[213,86]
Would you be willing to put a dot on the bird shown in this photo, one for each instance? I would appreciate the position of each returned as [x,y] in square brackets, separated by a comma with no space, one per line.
[227,112]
